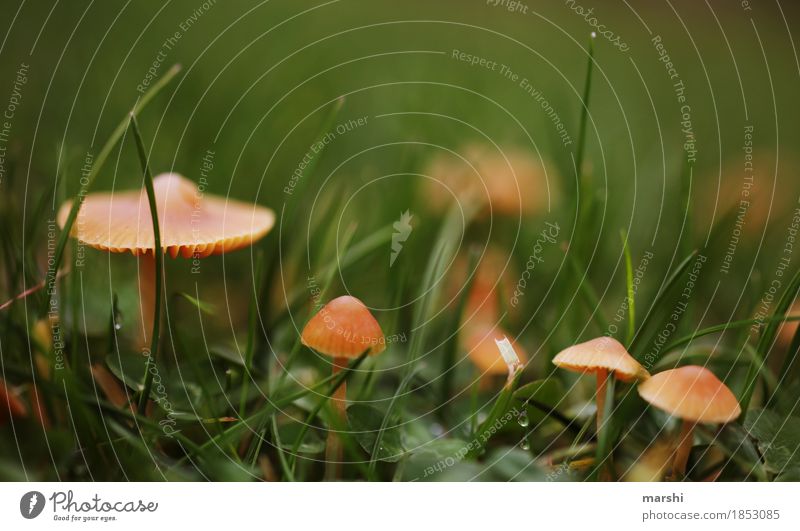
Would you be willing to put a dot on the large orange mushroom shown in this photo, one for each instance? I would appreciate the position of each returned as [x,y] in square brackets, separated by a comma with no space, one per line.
[603,356]
[343,329]
[192,225]
[694,395]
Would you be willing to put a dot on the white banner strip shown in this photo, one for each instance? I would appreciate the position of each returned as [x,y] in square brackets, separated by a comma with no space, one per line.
[400,506]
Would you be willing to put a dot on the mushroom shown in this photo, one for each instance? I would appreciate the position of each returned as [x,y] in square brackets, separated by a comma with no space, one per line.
[511,179]
[602,356]
[482,349]
[192,225]
[694,395]
[343,329]
[491,281]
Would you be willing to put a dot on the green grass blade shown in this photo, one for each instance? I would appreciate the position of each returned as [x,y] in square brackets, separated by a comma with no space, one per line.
[584,193]
[98,165]
[158,255]
[500,407]
[767,339]
[444,250]
[685,340]
[287,470]
[787,374]
[607,435]
[665,290]
[588,293]
[291,205]
[451,345]
[252,325]
[629,290]
[341,377]
[587,90]
[358,251]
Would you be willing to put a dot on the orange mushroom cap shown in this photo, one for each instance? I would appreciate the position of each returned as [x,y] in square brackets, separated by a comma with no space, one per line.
[480,344]
[344,328]
[601,354]
[191,223]
[691,393]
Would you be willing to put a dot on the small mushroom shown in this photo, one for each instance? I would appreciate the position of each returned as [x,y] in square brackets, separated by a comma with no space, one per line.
[192,224]
[480,342]
[343,329]
[602,356]
[694,395]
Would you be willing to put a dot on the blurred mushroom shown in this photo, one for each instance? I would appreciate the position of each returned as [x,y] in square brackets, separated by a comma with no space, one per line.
[652,464]
[694,395]
[513,181]
[602,356]
[492,282]
[751,196]
[343,329]
[192,225]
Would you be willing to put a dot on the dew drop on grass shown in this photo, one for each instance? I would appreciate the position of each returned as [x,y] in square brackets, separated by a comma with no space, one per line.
[117,326]
[523,420]
[525,444]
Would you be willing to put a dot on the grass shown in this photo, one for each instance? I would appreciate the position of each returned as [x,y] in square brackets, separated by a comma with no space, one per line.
[261,411]
[158,257]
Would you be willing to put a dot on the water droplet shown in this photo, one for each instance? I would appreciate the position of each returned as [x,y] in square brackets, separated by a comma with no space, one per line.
[523,420]
[117,326]
[525,444]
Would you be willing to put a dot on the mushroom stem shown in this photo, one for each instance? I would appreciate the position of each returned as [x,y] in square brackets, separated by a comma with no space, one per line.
[684,448]
[333,448]
[600,398]
[147,297]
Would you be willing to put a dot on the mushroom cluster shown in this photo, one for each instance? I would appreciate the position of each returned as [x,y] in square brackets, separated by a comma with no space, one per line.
[691,393]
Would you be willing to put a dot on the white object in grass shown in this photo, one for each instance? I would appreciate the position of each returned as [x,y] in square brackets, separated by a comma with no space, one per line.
[508,353]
